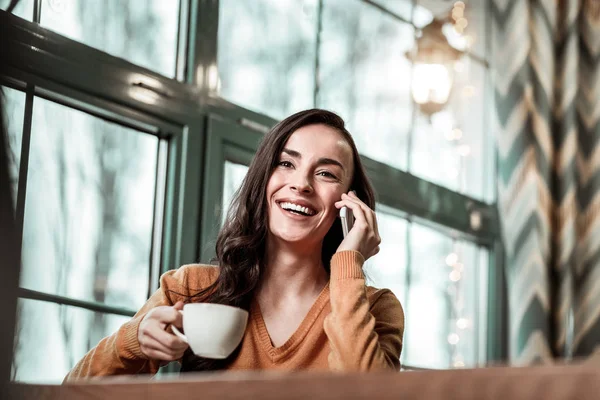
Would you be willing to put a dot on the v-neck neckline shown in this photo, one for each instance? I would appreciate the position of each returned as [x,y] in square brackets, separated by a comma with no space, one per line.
[299,333]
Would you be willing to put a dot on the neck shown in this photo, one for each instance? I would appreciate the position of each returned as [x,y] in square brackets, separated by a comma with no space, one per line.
[292,272]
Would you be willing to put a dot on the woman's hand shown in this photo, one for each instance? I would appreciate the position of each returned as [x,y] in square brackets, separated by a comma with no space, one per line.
[364,235]
[155,342]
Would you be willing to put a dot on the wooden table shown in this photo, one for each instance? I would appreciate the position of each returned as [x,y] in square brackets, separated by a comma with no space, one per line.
[547,383]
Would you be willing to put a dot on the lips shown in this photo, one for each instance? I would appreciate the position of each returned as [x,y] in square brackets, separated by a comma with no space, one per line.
[297,207]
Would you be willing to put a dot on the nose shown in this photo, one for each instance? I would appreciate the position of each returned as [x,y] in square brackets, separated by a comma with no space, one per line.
[301,184]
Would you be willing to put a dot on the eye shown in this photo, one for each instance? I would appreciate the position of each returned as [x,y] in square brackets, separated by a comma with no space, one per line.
[327,174]
[285,164]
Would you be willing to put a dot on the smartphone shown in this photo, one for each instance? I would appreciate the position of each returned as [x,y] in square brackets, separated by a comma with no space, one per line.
[347,219]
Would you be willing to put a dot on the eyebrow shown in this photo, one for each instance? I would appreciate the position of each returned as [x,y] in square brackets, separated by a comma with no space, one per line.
[320,161]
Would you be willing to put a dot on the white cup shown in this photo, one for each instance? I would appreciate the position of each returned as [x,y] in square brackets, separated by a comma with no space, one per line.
[212,330]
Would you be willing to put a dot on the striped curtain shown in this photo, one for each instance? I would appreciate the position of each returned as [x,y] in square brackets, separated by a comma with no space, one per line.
[547,89]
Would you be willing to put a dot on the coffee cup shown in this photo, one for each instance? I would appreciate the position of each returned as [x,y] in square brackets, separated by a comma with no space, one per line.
[212,330]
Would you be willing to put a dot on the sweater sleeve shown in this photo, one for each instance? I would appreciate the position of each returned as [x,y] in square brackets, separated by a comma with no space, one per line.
[364,334]
[120,353]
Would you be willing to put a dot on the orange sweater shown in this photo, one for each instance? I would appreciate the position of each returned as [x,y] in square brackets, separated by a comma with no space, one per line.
[350,327]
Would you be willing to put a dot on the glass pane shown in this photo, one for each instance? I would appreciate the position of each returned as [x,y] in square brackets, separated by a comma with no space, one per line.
[443,318]
[468,319]
[433,157]
[453,148]
[14,110]
[233,177]
[51,338]
[365,76]
[266,56]
[141,31]
[427,307]
[24,8]
[403,8]
[387,269]
[89,207]
[470,105]
[474,36]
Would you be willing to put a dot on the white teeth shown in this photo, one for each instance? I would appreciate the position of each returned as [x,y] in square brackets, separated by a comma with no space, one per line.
[296,207]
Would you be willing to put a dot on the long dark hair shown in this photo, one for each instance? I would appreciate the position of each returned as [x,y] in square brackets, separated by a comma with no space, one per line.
[240,247]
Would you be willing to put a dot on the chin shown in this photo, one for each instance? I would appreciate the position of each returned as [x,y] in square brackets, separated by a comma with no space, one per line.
[292,238]
[295,236]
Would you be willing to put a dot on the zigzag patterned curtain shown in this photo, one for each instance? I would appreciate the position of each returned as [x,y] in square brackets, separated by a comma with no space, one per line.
[547,89]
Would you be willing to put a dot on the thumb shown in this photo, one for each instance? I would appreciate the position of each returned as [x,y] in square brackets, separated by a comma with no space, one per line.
[178,322]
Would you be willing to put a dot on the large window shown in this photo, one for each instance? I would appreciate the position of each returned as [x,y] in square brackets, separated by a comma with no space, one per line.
[112,188]
[91,192]
[360,70]
[100,176]
[354,62]
[89,207]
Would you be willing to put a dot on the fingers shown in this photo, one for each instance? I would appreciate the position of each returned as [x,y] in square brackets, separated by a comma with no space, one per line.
[362,212]
[360,220]
[155,342]
[153,330]
[170,345]
[150,345]
[179,318]
[357,211]
[166,339]
[178,306]
[157,350]
[368,211]
[153,354]
[375,251]
[365,234]
[357,206]
[168,316]
[369,214]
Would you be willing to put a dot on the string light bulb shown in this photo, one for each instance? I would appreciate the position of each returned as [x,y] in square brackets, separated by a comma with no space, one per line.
[453,338]
[454,275]
[451,259]
[462,323]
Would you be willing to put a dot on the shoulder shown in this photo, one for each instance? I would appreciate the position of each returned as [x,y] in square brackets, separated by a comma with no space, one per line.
[188,280]
[384,303]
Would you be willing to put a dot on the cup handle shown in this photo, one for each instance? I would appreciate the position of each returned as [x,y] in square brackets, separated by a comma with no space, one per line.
[177,332]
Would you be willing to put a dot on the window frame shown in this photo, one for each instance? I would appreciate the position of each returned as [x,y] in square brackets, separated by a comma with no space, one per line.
[44,63]
[171,140]
[36,66]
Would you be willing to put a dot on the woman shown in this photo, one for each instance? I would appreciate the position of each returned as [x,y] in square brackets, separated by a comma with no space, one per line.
[281,255]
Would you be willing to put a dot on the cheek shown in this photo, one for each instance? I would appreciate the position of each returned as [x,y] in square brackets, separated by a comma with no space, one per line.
[273,184]
[332,198]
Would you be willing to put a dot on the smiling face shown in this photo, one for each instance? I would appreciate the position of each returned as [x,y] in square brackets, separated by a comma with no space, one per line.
[313,170]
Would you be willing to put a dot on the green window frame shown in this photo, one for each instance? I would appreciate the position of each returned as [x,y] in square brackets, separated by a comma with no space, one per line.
[202,131]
